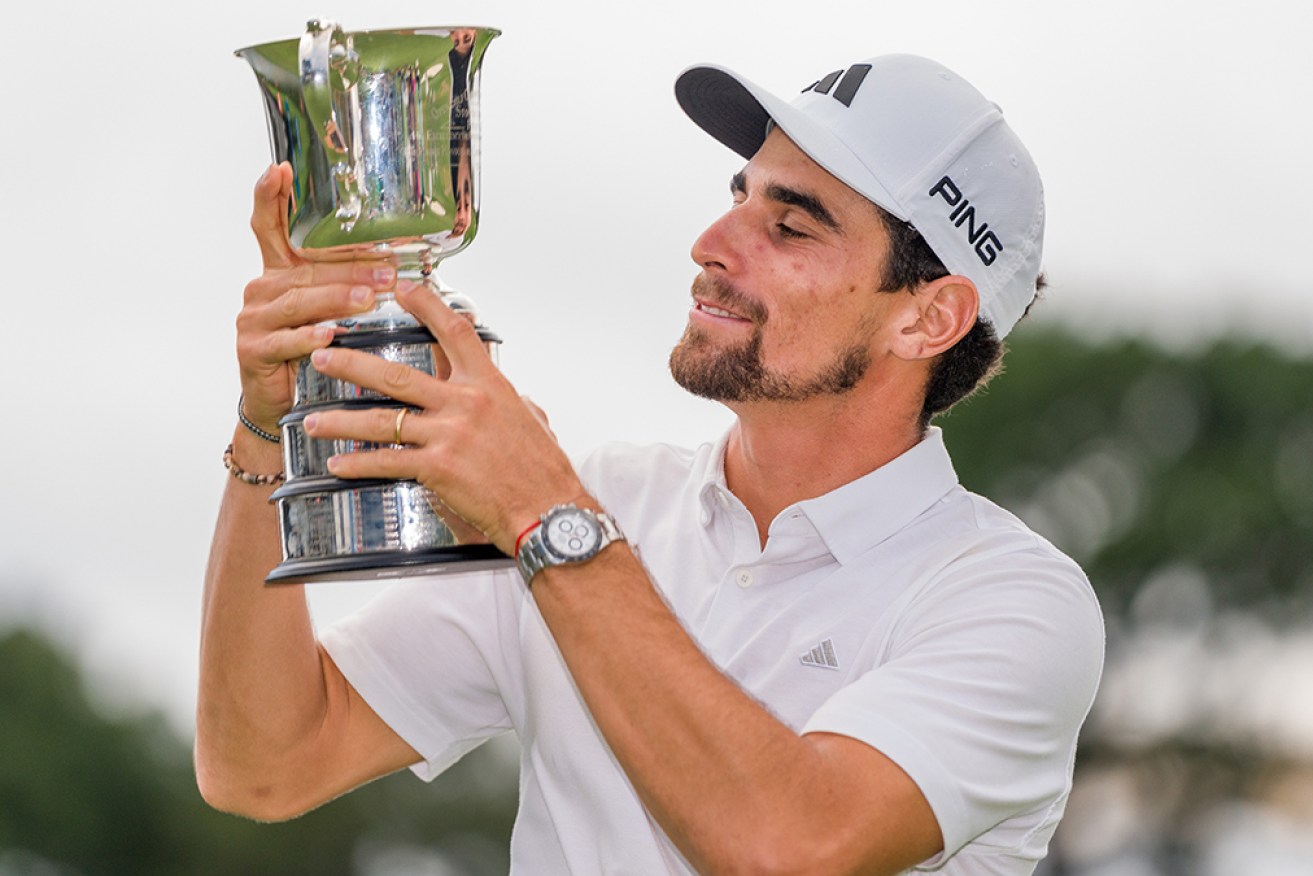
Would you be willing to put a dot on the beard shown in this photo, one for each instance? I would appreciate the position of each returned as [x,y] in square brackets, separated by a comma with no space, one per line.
[737,373]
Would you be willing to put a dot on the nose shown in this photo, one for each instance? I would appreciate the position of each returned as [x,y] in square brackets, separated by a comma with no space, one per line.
[714,247]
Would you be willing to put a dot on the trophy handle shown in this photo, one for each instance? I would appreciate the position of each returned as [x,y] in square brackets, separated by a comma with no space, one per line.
[326,55]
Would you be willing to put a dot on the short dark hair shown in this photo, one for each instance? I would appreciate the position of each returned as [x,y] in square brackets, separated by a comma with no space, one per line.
[970,363]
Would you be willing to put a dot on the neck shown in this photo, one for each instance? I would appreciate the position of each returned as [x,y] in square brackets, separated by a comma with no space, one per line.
[782,453]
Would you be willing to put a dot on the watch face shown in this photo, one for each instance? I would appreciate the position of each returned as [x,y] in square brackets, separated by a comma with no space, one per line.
[572,534]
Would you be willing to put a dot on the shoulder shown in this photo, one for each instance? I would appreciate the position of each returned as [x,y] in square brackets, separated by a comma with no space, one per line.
[972,534]
[976,569]
[1000,585]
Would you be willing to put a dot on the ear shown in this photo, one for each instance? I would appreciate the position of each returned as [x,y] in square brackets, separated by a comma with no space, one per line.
[944,311]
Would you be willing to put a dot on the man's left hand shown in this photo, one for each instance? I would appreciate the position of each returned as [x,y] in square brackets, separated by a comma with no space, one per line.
[472,440]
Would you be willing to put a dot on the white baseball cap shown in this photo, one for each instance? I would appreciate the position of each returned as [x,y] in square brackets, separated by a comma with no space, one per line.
[918,140]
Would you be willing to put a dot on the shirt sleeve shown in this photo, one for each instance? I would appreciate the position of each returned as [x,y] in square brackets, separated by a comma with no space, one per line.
[433,656]
[981,691]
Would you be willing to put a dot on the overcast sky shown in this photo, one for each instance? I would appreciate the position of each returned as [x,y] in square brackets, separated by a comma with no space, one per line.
[1173,139]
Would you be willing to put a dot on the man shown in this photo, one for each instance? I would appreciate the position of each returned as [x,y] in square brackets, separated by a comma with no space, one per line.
[811,650]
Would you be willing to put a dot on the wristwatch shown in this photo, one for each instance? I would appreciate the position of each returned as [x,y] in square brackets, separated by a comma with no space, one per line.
[567,534]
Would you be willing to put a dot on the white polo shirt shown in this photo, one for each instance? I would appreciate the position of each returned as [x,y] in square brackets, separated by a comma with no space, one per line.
[899,609]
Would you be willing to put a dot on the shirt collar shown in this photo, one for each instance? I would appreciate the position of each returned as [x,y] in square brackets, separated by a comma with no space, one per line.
[862,513]
[712,477]
[859,515]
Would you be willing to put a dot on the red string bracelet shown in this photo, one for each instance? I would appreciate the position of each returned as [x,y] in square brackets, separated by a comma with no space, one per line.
[520,540]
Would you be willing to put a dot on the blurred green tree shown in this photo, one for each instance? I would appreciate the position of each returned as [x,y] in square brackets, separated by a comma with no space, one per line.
[83,794]
[1138,461]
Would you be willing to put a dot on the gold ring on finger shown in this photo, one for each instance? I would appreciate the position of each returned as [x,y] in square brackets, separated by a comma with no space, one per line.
[396,431]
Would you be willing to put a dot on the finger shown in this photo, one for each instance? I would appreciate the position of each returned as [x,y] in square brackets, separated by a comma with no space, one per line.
[371,426]
[302,305]
[288,345]
[386,463]
[455,333]
[394,379]
[273,192]
[274,283]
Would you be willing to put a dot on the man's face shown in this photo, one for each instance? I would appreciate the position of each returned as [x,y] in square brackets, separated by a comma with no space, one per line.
[462,40]
[464,190]
[785,307]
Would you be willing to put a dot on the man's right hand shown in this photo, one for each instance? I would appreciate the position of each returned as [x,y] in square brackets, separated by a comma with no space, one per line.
[284,308]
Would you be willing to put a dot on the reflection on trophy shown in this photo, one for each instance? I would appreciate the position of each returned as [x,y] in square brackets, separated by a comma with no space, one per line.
[381,129]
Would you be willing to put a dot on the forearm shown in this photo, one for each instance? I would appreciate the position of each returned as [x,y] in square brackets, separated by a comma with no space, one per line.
[262,687]
[736,789]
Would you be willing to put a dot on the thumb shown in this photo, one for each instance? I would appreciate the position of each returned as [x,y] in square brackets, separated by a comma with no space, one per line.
[273,191]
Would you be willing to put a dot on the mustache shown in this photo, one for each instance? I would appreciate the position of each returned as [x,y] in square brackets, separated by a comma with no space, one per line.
[720,293]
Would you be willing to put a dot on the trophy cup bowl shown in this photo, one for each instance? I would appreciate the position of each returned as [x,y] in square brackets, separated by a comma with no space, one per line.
[381,129]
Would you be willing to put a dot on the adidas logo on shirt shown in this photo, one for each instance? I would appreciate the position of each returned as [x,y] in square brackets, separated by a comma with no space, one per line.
[821,656]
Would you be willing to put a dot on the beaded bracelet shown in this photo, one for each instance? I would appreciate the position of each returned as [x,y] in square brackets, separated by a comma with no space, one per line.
[255,480]
[241,416]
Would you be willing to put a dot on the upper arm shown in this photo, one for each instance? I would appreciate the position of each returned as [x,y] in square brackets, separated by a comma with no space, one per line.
[881,823]
[431,663]
[350,746]
[415,678]
[356,745]
[291,773]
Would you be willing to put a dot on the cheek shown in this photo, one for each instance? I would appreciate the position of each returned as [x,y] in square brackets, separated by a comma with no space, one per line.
[800,322]
[818,317]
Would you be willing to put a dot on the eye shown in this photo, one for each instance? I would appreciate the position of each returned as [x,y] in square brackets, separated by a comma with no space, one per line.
[789,231]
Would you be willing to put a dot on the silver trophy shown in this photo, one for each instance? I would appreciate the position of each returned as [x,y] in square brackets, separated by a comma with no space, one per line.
[381,129]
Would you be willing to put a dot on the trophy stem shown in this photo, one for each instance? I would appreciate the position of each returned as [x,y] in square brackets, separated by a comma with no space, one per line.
[388,315]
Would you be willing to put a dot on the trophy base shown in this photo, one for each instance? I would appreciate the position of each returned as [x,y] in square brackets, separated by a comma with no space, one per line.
[335,529]
[380,567]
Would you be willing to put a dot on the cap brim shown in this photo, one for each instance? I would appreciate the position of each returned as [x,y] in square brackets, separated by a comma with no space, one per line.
[738,113]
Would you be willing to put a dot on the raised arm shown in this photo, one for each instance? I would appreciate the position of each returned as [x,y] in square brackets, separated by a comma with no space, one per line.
[278,730]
